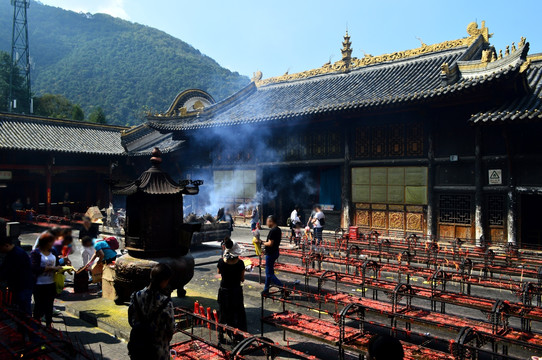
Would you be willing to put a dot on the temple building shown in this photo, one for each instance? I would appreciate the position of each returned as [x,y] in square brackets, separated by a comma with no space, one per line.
[441,140]
[56,164]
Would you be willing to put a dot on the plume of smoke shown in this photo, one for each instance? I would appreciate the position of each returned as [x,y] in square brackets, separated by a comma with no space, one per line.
[260,142]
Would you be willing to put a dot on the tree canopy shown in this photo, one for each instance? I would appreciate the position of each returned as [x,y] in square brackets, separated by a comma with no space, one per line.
[124,67]
[18,81]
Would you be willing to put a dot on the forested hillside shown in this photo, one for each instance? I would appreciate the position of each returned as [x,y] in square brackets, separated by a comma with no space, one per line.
[122,67]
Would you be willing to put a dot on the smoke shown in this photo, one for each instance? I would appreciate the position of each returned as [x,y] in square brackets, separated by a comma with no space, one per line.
[229,166]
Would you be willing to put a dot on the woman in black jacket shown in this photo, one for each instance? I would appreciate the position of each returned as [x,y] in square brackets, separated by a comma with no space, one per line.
[230,295]
[44,263]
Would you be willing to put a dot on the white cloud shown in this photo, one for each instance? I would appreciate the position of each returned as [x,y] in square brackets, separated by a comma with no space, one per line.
[111,7]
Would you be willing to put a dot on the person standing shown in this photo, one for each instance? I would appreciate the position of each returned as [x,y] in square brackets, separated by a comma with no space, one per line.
[254,218]
[15,270]
[44,264]
[256,240]
[228,218]
[230,295]
[88,229]
[151,317]
[272,253]
[294,220]
[318,222]
[17,206]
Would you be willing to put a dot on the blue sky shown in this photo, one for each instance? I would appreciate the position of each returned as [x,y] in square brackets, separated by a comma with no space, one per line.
[296,35]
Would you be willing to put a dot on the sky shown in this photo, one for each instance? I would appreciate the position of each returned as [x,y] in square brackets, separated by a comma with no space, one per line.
[296,35]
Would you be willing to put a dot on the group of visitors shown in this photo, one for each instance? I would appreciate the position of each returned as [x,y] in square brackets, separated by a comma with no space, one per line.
[34,274]
[313,229]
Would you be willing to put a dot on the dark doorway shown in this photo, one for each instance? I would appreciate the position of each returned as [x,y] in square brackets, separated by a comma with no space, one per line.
[531,215]
[283,188]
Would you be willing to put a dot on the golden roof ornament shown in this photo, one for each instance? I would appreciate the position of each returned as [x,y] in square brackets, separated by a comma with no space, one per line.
[348,62]
[474,31]
[445,68]
[256,76]
[346,51]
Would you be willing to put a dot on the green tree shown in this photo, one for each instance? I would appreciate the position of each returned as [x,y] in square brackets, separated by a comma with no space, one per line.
[77,113]
[5,68]
[97,116]
[52,105]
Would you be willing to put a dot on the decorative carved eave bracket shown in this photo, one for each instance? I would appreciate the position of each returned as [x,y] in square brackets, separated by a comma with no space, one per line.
[489,63]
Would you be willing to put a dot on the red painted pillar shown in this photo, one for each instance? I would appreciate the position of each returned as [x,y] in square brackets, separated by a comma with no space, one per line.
[48,181]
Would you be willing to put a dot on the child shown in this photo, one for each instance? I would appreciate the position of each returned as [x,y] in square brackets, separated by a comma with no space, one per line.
[256,239]
[88,249]
[63,248]
[297,234]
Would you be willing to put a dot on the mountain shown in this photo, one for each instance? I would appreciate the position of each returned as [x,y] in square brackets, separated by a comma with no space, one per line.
[123,67]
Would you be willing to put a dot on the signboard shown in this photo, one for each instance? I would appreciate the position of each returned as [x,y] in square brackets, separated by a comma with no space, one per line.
[495,177]
[6,175]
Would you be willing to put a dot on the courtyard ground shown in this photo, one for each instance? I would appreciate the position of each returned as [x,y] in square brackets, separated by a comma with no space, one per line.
[102,325]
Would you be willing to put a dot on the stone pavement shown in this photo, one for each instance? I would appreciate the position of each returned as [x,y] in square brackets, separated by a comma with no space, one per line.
[98,322]
[94,339]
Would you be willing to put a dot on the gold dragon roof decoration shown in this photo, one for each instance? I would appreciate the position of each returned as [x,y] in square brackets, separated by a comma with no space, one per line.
[348,63]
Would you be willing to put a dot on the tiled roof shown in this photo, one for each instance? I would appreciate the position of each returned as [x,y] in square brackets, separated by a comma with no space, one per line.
[412,80]
[528,107]
[368,86]
[26,132]
[142,139]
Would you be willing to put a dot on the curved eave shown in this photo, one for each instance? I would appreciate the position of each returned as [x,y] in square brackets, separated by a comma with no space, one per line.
[423,96]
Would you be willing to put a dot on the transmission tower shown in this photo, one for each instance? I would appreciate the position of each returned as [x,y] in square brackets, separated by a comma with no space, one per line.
[20,101]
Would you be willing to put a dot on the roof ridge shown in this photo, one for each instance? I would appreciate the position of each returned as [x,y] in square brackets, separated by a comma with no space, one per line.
[43,119]
[345,65]
[374,67]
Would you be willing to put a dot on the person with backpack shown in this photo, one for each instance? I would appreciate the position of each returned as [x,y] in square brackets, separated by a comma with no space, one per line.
[151,317]
[105,251]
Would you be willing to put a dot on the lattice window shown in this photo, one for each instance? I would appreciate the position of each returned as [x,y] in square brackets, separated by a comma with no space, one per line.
[362,142]
[334,144]
[318,145]
[378,141]
[292,147]
[455,209]
[397,140]
[495,210]
[414,141]
[280,146]
[303,146]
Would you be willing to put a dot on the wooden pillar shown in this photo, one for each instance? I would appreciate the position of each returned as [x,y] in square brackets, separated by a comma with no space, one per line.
[48,184]
[511,198]
[431,216]
[109,191]
[259,192]
[478,181]
[511,205]
[346,198]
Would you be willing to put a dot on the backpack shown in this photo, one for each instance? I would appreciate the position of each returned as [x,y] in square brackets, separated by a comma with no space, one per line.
[323,221]
[142,334]
[112,242]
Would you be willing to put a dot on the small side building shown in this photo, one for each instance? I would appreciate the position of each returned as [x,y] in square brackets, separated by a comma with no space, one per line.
[54,163]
